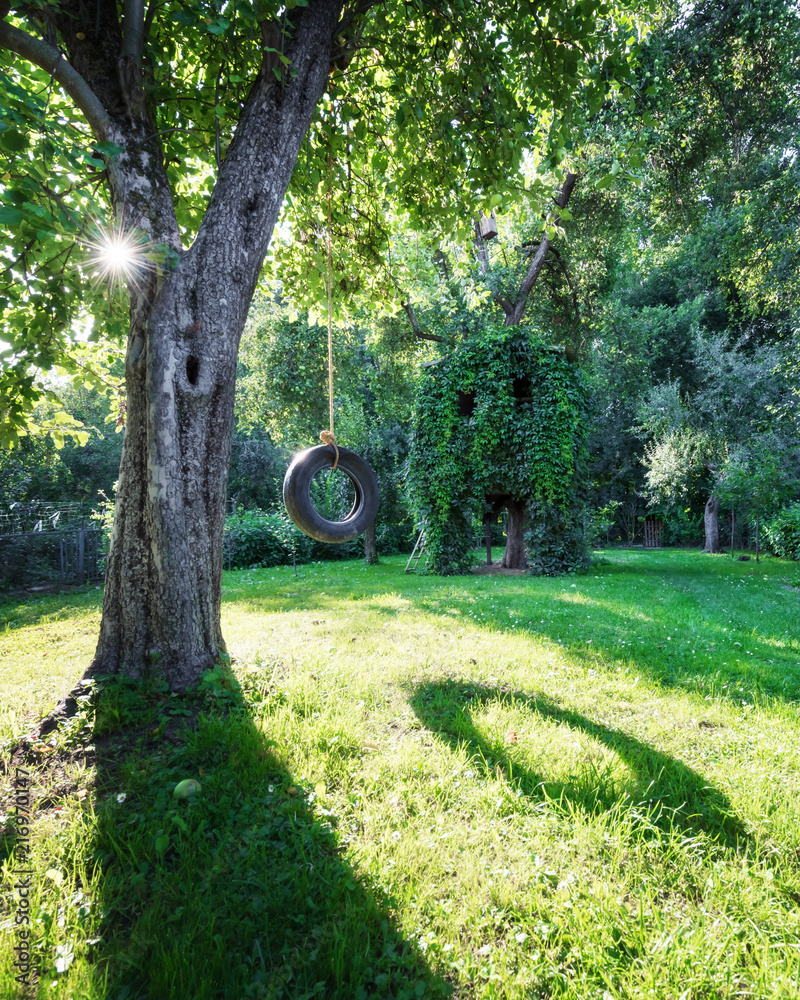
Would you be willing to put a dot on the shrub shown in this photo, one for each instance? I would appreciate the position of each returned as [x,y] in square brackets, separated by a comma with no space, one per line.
[783,532]
[680,527]
[256,538]
[597,522]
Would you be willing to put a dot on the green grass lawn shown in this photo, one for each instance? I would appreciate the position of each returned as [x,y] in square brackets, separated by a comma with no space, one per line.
[584,787]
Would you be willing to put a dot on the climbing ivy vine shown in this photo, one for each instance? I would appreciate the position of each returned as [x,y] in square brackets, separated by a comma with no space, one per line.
[502,415]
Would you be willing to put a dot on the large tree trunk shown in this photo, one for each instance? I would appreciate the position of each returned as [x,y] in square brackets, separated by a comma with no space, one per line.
[161,605]
[711,521]
[515,555]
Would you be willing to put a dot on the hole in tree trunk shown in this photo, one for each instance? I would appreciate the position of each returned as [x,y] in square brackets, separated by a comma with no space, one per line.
[192,369]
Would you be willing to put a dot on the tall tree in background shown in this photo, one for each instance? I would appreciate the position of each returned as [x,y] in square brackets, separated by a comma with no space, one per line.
[697,321]
[183,123]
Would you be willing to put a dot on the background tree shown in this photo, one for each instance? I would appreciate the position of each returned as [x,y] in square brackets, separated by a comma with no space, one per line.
[756,479]
[699,297]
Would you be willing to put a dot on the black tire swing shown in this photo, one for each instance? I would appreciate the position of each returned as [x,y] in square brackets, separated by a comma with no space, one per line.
[297,493]
[303,468]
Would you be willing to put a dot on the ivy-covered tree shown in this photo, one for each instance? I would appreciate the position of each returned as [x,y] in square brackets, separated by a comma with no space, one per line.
[500,422]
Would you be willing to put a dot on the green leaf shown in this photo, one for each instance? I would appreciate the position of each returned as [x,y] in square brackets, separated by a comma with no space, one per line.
[13,141]
[10,216]
[109,148]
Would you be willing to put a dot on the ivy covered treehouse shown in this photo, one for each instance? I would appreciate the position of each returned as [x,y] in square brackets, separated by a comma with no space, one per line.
[500,424]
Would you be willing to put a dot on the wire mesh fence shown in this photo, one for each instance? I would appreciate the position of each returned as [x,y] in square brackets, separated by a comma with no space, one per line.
[42,515]
[46,558]
[45,544]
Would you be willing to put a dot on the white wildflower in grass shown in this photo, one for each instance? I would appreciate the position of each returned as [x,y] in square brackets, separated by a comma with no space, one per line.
[122,796]
[64,957]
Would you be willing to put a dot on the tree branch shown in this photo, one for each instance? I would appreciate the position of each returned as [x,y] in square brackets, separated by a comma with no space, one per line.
[515,316]
[565,269]
[48,58]
[412,319]
[130,58]
[133,31]
[356,11]
[504,303]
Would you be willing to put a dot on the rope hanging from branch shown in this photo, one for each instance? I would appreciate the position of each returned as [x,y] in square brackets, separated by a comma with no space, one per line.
[328,437]
[300,475]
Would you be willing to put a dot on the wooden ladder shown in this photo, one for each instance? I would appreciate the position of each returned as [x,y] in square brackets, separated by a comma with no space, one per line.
[420,550]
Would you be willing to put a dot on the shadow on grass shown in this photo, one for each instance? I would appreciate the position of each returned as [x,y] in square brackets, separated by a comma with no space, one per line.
[24,610]
[238,890]
[665,794]
[682,595]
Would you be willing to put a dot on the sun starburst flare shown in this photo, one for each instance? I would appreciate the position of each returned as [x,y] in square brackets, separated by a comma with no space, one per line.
[118,256]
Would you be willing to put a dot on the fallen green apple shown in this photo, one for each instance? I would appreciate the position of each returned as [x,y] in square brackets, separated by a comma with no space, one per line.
[184,789]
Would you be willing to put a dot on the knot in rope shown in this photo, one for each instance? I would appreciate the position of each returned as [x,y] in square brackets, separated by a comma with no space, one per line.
[327,437]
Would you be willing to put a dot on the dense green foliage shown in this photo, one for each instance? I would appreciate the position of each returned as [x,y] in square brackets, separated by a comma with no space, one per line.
[783,532]
[438,126]
[44,468]
[502,414]
[256,538]
[256,471]
[556,539]
[690,344]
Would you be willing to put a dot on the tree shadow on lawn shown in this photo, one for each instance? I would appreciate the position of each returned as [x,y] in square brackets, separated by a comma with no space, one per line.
[25,610]
[240,889]
[665,793]
[773,669]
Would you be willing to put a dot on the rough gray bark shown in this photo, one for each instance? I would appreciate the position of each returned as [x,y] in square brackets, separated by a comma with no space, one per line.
[162,597]
[371,546]
[515,555]
[711,523]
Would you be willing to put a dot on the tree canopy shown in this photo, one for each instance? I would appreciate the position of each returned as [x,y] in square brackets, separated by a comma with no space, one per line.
[437,126]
